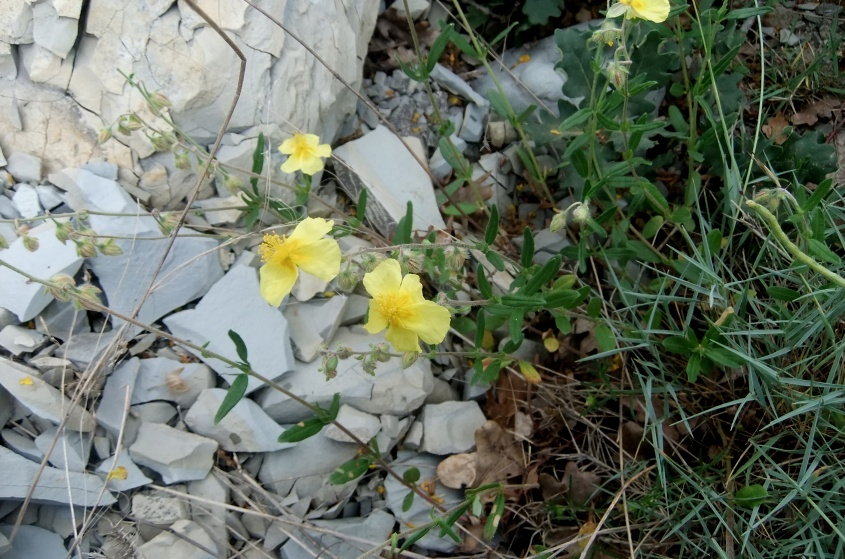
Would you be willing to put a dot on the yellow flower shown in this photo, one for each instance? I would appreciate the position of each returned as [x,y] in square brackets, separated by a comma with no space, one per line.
[306,153]
[120,473]
[652,10]
[398,305]
[305,249]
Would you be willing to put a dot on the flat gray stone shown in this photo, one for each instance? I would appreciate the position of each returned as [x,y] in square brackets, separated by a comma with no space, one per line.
[246,428]
[61,320]
[191,268]
[380,163]
[452,82]
[116,481]
[31,542]
[392,390]
[49,196]
[211,518]
[234,303]
[176,455]
[167,544]
[449,428]
[472,128]
[23,297]
[116,392]
[362,534]
[313,324]
[40,398]
[71,451]
[54,485]
[24,167]
[25,200]
[17,339]
[166,379]
[363,425]
[159,511]
[56,34]
[22,445]
[86,348]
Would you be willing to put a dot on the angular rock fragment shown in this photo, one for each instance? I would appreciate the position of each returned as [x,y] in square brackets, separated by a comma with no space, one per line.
[176,455]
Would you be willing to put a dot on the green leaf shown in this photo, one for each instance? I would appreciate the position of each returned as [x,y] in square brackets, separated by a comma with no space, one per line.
[334,408]
[678,121]
[408,501]
[500,104]
[257,162]
[679,344]
[302,430]
[809,156]
[523,302]
[541,277]
[240,346]
[744,13]
[819,194]
[361,206]
[751,496]
[353,469]
[232,397]
[446,530]
[411,475]
[492,226]
[495,259]
[594,307]
[495,517]
[577,63]
[439,46]
[652,226]
[820,251]
[782,293]
[605,338]
[479,328]
[484,286]
[527,255]
[503,34]
[723,357]
[405,226]
[539,11]
[655,197]
[693,367]
[453,155]
[417,536]
[566,298]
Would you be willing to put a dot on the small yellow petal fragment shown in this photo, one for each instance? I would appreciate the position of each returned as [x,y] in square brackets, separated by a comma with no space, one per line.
[118,473]
[529,372]
[551,344]
[587,529]
[524,58]
[26,381]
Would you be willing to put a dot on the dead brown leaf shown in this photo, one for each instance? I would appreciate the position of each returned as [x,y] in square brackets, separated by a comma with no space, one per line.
[577,485]
[775,127]
[457,471]
[820,108]
[498,456]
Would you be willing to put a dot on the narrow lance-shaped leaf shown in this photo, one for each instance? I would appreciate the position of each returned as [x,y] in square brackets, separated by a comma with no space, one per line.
[353,469]
[527,255]
[492,226]
[240,346]
[233,396]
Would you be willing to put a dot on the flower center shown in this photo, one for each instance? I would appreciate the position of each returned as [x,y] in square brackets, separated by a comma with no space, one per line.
[272,248]
[303,150]
[392,305]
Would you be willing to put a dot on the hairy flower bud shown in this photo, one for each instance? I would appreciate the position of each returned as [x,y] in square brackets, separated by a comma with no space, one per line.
[64,229]
[455,258]
[330,366]
[343,352]
[86,248]
[608,33]
[110,248]
[233,184]
[382,353]
[62,286]
[369,261]
[104,135]
[88,297]
[558,222]
[181,160]
[579,214]
[158,101]
[347,280]
[409,358]
[30,243]
[617,72]
[162,143]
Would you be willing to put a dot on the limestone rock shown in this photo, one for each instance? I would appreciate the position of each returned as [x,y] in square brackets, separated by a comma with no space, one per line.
[380,163]
[117,393]
[176,455]
[42,399]
[24,298]
[71,451]
[51,31]
[167,544]
[128,477]
[31,542]
[54,485]
[313,324]
[166,379]
[234,303]
[361,535]
[392,390]
[17,339]
[449,428]
[246,428]
[363,425]
[159,510]
[24,167]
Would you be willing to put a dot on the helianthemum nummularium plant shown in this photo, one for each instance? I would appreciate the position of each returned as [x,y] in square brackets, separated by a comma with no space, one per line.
[305,249]
[305,153]
[652,10]
[398,305]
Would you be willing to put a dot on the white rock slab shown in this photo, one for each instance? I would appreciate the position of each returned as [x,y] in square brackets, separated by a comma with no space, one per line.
[419,512]
[17,339]
[54,485]
[234,303]
[25,200]
[61,320]
[166,379]
[210,517]
[22,445]
[159,511]
[391,390]
[374,529]
[246,428]
[134,476]
[176,455]
[31,542]
[24,167]
[363,425]
[167,544]
[71,451]
[313,324]
[49,196]
[380,163]
[24,298]
[449,428]
[117,390]
[53,32]
[191,267]
[42,399]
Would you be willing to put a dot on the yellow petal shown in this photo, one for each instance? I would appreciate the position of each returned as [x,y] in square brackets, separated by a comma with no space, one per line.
[320,258]
[119,473]
[376,322]
[292,165]
[311,165]
[310,229]
[402,339]
[386,277]
[428,320]
[26,381]
[276,281]
[289,145]
[652,10]
[412,286]
[323,150]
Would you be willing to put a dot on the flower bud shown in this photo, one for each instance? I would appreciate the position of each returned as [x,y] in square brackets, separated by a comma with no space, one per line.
[558,222]
[159,101]
[233,184]
[382,353]
[63,231]
[330,366]
[3,242]
[181,160]
[86,248]
[104,135]
[30,243]
[162,143]
[409,358]
[88,297]
[617,72]
[62,286]
[110,248]
[607,33]
[369,261]
[579,213]
[133,122]
[343,352]
[769,198]
[455,258]
[347,280]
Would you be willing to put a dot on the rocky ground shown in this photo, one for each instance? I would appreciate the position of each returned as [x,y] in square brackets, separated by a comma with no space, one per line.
[117,424]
